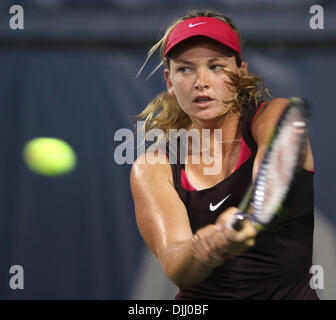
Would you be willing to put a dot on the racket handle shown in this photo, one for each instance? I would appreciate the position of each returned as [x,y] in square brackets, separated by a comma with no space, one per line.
[238,223]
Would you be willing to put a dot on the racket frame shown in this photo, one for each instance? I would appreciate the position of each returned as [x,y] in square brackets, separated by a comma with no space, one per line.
[247,201]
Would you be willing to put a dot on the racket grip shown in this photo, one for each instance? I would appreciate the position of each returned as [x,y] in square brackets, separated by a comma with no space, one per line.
[238,223]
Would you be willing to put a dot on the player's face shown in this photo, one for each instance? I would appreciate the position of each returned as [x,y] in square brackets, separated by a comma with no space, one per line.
[196,77]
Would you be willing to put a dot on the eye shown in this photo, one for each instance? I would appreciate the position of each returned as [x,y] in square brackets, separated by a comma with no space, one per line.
[184,69]
[217,67]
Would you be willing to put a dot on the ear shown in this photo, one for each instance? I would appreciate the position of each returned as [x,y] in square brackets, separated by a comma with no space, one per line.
[168,82]
[243,67]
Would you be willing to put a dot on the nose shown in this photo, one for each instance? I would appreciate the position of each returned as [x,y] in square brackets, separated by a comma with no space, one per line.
[201,80]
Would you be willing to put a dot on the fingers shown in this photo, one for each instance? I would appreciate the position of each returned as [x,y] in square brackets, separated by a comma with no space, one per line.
[225,221]
[239,241]
[206,246]
[250,242]
[247,232]
[214,244]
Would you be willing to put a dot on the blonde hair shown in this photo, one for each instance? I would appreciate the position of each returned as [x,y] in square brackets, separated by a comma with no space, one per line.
[165,113]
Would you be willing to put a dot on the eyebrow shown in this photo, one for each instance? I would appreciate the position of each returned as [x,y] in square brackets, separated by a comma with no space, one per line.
[183,61]
[218,58]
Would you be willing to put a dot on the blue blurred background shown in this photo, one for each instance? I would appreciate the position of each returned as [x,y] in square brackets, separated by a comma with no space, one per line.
[70,74]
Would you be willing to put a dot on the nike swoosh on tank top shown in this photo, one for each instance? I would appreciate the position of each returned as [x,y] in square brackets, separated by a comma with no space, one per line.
[277,267]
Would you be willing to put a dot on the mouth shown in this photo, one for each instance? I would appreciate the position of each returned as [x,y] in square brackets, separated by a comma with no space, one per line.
[203,101]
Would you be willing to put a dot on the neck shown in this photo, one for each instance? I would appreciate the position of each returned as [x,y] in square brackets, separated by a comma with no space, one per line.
[217,133]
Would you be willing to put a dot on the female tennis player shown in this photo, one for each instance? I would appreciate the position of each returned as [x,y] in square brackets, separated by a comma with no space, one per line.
[182,210]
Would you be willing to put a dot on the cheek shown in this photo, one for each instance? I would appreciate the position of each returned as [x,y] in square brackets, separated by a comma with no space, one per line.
[181,89]
[224,85]
[182,96]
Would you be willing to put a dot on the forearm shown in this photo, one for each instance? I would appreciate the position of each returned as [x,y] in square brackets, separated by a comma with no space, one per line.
[191,261]
[181,266]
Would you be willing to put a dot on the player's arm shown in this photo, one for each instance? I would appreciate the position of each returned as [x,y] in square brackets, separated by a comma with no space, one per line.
[263,126]
[163,221]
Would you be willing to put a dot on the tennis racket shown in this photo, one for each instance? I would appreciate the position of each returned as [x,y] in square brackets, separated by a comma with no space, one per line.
[278,167]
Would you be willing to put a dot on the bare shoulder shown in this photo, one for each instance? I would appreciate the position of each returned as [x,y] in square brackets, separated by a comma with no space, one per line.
[264,124]
[273,108]
[266,119]
[150,166]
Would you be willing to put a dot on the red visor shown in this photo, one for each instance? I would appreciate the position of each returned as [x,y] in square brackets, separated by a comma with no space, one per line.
[203,26]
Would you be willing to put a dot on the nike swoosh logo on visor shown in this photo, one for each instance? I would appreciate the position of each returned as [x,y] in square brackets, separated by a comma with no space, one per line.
[195,24]
[214,208]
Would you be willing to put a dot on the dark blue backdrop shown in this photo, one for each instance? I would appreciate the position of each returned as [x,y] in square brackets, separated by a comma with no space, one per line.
[76,236]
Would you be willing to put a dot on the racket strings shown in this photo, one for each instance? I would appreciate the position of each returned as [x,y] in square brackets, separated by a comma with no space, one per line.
[277,171]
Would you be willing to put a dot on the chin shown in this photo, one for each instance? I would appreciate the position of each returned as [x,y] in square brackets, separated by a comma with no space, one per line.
[207,116]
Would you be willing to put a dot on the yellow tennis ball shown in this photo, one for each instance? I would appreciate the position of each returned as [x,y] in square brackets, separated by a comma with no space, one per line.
[49,156]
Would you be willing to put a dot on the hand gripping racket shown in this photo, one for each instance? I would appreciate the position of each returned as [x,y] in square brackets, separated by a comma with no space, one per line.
[278,167]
